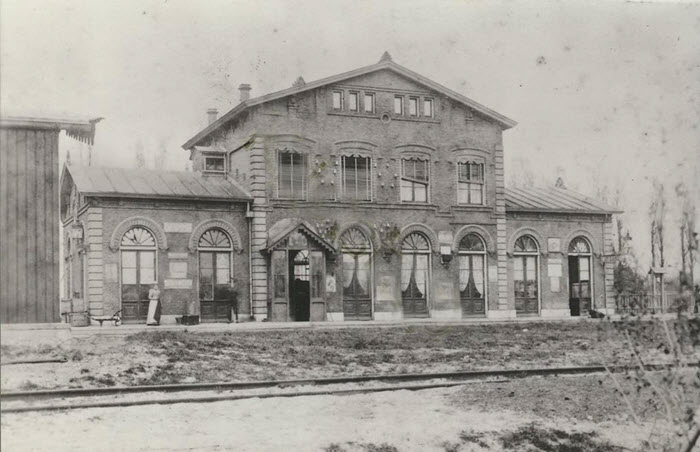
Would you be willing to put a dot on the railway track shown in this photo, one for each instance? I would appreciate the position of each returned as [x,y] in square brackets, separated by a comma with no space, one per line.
[391,382]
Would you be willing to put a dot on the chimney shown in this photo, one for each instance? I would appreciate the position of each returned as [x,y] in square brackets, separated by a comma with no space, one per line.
[212,113]
[244,88]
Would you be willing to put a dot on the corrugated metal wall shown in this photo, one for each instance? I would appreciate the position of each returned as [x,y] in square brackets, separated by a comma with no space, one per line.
[29,240]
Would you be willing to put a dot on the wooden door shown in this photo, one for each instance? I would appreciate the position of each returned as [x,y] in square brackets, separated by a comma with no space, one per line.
[526,281]
[279,285]
[414,285]
[214,283]
[138,276]
[357,299]
[579,285]
[472,294]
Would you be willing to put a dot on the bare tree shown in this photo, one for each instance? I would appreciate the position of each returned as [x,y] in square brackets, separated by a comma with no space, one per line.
[161,157]
[689,242]
[140,155]
[657,212]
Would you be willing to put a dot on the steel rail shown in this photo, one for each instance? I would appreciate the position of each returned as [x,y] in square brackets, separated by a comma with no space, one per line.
[240,385]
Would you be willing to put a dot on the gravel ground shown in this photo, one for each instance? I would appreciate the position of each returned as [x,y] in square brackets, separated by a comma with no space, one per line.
[427,420]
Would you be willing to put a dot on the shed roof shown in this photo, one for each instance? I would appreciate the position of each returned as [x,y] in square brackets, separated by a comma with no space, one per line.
[142,183]
[553,199]
[385,63]
[79,128]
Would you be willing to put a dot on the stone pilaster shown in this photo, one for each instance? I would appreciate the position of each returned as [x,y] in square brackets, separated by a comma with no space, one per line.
[501,235]
[608,267]
[259,270]
[95,270]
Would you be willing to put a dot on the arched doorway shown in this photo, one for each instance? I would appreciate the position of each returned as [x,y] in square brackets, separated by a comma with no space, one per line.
[138,272]
[472,278]
[356,252]
[299,300]
[214,249]
[526,275]
[415,275]
[579,276]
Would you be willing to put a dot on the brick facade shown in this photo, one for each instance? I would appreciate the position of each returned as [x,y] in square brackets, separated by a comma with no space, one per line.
[305,122]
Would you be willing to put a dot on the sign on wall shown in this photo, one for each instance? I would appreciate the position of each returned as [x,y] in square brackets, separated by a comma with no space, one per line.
[385,288]
[330,284]
[178,270]
[177,227]
[178,283]
[177,255]
[554,245]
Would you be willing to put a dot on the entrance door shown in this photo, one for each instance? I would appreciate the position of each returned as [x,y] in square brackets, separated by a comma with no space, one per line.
[526,276]
[300,301]
[214,286]
[472,280]
[579,285]
[138,275]
[138,272]
[579,277]
[357,301]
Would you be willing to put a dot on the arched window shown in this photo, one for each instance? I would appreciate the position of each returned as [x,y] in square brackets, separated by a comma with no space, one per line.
[214,249]
[472,276]
[356,261]
[579,276]
[526,275]
[138,272]
[415,265]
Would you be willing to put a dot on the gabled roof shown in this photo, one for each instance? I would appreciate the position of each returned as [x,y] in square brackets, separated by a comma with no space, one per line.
[553,200]
[141,183]
[280,230]
[385,63]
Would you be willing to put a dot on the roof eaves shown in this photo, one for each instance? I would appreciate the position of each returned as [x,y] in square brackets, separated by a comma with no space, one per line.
[563,211]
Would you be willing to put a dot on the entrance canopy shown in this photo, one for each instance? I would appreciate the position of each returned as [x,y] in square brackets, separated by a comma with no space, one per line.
[289,231]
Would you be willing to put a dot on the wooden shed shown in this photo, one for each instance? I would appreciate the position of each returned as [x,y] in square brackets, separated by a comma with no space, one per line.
[29,214]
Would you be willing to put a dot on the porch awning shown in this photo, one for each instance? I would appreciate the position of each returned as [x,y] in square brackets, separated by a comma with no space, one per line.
[283,228]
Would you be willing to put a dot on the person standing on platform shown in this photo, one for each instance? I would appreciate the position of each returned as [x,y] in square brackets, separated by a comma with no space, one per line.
[153,306]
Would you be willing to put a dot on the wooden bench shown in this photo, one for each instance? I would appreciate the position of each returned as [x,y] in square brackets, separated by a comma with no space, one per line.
[116,318]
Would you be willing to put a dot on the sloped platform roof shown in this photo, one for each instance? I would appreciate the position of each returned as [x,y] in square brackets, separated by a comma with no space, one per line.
[140,183]
[553,200]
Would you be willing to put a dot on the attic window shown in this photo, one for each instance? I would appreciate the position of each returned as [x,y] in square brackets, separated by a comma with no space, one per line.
[337,100]
[428,108]
[214,164]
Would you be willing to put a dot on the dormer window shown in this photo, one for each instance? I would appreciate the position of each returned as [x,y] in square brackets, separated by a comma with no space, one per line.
[214,164]
[338,100]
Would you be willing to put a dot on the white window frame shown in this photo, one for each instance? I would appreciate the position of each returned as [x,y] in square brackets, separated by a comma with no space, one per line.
[341,95]
[431,102]
[304,175]
[356,94]
[343,191]
[372,109]
[406,158]
[401,98]
[415,99]
[467,161]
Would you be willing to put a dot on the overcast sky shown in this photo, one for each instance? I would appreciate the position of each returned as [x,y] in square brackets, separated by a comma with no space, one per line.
[606,94]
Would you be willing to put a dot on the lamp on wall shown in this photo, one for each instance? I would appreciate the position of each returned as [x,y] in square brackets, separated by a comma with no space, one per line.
[445,255]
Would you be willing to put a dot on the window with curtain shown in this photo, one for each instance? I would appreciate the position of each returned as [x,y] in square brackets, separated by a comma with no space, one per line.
[525,274]
[292,175]
[356,181]
[414,180]
[415,253]
[470,183]
[472,254]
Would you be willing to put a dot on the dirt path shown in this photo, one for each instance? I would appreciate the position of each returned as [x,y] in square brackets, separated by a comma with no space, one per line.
[427,420]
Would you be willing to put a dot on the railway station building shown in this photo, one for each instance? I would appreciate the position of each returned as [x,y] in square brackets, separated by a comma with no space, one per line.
[376,194]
